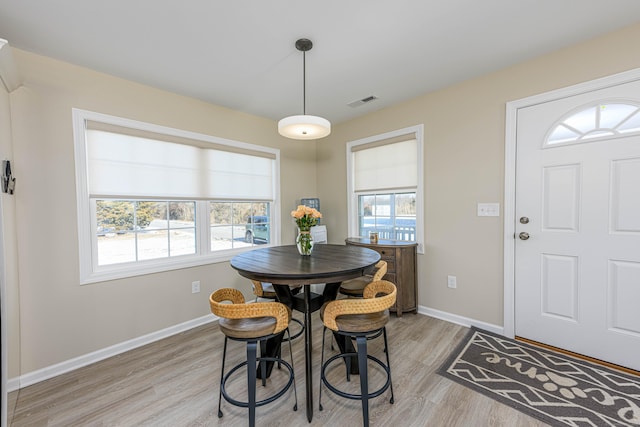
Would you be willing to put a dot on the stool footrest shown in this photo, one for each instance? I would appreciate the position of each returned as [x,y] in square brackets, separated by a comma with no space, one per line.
[370,395]
[269,399]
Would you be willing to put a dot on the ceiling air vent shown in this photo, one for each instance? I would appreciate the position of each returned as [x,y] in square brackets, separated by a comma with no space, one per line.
[362,101]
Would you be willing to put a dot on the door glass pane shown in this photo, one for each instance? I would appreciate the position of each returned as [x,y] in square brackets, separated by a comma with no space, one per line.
[612,115]
[631,125]
[583,121]
[599,121]
[562,134]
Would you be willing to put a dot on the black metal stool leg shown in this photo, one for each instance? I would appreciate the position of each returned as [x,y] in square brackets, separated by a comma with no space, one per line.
[251,380]
[263,365]
[386,350]
[295,392]
[361,342]
[224,356]
[324,330]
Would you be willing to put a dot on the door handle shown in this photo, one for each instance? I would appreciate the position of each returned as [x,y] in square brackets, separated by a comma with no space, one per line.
[523,236]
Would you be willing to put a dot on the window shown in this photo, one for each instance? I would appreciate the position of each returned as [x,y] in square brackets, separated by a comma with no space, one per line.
[392,215]
[152,198]
[130,231]
[385,185]
[603,120]
[237,224]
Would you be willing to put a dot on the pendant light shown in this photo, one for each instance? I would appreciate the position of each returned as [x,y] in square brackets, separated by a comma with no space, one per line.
[304,126]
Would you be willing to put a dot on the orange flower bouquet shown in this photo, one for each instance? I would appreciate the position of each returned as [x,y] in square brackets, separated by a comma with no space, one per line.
[305,217]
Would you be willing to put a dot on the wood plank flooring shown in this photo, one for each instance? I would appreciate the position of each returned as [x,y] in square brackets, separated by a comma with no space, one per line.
[174,382]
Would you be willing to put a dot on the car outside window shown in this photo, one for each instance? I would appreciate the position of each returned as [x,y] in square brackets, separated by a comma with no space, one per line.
[257,229]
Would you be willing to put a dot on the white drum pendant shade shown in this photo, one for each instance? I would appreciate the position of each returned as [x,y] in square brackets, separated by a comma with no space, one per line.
[304,127]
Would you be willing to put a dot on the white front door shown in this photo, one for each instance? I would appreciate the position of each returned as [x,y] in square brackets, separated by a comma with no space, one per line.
[577,275]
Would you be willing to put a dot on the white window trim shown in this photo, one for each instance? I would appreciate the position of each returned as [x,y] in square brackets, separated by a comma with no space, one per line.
[352,197]
[89,272]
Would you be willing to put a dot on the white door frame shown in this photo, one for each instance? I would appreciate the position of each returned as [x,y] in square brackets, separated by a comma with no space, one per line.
[4,352]
[510,176]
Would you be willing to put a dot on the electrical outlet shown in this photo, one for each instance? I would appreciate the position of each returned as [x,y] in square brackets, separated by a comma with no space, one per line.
[452,282]
[195,287]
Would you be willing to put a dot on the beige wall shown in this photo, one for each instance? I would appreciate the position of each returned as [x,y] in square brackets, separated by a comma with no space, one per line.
[464,128]
[11,318]
[59,319]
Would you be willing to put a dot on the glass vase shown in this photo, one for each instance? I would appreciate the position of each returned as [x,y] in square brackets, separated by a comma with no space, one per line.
[304,242]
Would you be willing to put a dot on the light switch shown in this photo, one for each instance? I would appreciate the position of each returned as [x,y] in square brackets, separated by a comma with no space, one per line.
[488,209]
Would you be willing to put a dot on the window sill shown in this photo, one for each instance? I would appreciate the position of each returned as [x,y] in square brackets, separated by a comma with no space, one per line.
[122,271]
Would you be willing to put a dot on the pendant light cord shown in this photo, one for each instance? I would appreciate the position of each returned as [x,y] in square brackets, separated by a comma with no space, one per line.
[304,83]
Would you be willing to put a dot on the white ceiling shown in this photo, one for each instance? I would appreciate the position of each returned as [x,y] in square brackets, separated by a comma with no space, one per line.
[240,53]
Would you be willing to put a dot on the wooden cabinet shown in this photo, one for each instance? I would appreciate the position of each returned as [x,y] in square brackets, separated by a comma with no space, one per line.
[401,269]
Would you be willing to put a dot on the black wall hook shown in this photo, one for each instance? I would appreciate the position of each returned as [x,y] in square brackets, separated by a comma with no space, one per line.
[8,181]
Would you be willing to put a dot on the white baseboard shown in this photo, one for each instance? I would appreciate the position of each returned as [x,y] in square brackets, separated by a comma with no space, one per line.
[13,384]
[460,320]
[78,362]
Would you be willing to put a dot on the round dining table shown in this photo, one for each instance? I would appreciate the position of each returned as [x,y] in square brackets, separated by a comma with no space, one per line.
[287,270]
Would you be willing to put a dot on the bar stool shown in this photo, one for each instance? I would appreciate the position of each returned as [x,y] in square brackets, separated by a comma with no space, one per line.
[251,323]
[359,319]
[355,287]
[266,291]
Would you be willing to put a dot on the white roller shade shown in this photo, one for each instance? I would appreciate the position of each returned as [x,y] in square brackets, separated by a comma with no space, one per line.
[123,165]
[376,167]
[238,176]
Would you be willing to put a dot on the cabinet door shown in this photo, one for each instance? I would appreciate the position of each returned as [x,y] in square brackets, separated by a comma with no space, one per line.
[388,255]
[406,271]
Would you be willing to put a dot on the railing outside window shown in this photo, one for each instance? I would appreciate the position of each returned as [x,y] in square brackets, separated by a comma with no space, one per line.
[391,215]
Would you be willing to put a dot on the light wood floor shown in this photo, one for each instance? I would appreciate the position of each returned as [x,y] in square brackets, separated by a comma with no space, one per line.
[174,382]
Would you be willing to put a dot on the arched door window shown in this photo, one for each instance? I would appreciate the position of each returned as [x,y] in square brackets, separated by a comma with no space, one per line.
[602,120]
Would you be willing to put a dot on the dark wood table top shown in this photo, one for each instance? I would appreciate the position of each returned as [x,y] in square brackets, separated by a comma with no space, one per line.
[284,265]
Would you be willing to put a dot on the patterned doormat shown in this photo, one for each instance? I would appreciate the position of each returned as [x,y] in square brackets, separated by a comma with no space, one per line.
[555,388]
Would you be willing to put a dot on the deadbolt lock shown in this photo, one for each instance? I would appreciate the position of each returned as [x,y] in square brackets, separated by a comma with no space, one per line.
[524,220]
